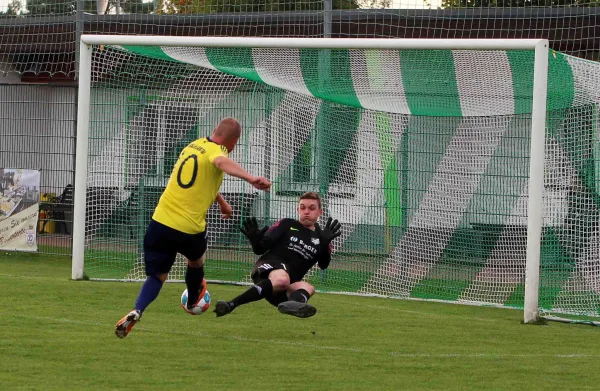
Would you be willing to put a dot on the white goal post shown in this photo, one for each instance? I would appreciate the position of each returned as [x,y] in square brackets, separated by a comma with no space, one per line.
[538,119]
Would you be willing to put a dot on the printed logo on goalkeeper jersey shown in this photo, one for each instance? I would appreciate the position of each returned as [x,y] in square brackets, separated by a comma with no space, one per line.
[315,241]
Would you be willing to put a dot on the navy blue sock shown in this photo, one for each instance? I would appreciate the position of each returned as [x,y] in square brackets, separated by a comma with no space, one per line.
[193,281]
[148,293]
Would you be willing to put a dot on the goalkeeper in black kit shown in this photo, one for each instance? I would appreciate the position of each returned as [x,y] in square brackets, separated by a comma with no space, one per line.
[288,250]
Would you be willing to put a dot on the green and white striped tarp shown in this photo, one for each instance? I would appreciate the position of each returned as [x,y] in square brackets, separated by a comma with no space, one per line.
[433,83]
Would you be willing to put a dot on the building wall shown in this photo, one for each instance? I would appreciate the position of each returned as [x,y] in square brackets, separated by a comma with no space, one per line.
[37,129]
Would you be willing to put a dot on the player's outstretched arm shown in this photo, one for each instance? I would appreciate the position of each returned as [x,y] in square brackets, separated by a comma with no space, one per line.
[232,168]
[324,257]
[331,231]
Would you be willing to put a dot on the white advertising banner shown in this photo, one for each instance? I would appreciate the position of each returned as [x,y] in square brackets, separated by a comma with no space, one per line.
[19,209]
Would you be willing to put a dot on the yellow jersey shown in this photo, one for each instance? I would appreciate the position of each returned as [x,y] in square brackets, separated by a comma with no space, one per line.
[192,188]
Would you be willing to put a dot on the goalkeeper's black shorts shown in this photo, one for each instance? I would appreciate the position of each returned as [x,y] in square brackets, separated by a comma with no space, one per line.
[261,271]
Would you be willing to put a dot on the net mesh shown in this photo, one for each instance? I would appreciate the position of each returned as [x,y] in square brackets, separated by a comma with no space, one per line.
[40,37]
[422,155]
[39,44]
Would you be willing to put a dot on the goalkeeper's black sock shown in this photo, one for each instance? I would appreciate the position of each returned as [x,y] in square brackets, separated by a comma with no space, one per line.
[193,281]
[300,295]
[256,292]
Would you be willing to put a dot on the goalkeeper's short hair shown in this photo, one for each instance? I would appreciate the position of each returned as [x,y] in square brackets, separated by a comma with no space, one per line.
[311,195]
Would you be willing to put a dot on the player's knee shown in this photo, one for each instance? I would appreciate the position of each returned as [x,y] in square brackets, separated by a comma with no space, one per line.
[280,280]
[280,284]
[162,277]
[198,262]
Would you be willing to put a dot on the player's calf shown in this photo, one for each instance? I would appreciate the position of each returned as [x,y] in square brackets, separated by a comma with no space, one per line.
[196,299]
[256,292]
[300,295]
[194,281]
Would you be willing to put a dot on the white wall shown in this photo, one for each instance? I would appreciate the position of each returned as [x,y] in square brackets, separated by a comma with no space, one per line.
[37,128]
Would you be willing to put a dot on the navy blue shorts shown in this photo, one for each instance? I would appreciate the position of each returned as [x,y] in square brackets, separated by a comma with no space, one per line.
[162,243]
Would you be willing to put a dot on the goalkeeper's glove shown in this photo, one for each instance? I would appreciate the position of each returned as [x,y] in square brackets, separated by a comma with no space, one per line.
[252,232]
[330,232]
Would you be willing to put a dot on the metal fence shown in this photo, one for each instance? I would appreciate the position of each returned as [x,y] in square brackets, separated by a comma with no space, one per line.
[38,54]
[37,127]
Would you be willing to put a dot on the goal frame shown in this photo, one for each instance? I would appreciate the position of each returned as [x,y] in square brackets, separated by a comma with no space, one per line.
[538,119]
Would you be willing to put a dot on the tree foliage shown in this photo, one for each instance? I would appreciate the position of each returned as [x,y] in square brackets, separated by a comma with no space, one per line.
[517,3]
[222,6]
[49,7]
[65,7]
[135,6]
[375,4]
[190,7]
[13,9]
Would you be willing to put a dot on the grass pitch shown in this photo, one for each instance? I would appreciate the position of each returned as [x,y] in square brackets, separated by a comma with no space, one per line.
[57,334]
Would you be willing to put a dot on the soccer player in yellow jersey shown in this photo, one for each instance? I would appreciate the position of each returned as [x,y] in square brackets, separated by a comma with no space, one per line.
[179,221]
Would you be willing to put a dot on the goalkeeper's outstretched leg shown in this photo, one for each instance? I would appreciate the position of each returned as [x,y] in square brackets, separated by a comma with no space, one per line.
[289,299]
[269,286]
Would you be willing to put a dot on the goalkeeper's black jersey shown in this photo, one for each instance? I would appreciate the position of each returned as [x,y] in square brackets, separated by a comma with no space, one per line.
[300,248]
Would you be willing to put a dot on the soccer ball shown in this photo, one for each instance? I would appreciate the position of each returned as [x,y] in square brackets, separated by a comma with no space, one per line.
[202,306]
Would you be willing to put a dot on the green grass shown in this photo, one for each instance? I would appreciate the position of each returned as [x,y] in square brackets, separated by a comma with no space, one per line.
[57,334]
